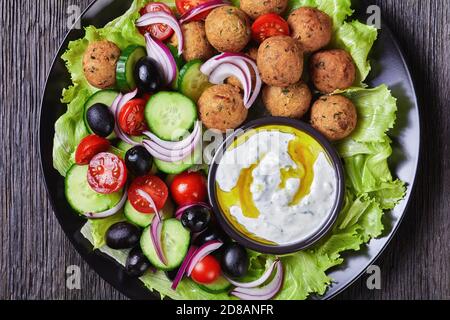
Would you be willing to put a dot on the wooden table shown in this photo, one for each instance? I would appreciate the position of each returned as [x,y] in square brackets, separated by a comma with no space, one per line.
[34,253]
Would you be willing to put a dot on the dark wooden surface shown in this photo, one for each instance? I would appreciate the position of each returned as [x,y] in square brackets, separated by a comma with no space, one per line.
[34,253]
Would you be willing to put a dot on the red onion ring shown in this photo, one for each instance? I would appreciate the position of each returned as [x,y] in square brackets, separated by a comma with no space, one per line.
[264,293]
[149,199]
[170,145]
[209,66]
[202,252]
[181,210]
[110,212]
[226,70]
[183,267]
[191,14]
[257,282]
[161,53]
[165,18]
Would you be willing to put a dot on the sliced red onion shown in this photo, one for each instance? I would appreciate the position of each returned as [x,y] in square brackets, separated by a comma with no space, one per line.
[111,211]
[161,53]
[165,18]
[120,101]
[226,70]
[191,14]
[173,157]
[181,210]
[176,154]
[209,66]
[257,282]
[263,293]
[202,252]
[183,267]
[149,199]
[155,233]
[171,145]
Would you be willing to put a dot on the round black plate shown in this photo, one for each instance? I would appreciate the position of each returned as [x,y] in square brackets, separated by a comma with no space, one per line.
[389,67]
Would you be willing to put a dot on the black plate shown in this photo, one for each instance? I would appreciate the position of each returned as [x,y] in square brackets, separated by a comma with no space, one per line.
[389,67]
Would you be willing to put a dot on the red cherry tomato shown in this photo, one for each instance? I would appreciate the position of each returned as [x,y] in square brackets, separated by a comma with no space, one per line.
[154,187]
[184,6]
[132,118]
[188,188]
[89,147]
[206,271]
[159,31]
[269,25]
[107,173]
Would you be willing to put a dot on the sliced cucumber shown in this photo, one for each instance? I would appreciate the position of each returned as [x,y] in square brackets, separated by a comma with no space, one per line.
[180,166]
[219,286]
[191,81]
[125,67]
[105,97]
[175,241]
[144,220]
[170,115]
[82,198]
[122,145]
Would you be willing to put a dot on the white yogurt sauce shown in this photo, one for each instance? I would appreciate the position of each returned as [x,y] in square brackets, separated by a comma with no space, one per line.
[278,221]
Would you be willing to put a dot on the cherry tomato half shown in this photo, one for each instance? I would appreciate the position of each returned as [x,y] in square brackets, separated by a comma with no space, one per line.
[206,271]
[159,31]
[269,25]
[184,6]
[132,118]
[89,147]
[188,188]
[107,173]
[154,187]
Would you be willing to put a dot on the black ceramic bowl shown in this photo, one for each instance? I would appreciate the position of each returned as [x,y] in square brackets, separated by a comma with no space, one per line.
[328,221]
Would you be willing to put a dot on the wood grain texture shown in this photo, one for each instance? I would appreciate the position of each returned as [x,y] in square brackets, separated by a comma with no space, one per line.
[34,253]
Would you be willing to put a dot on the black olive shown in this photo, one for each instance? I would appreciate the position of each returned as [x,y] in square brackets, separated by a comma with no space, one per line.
[137,263]
[138,161]
[123,235]
[100,119]
[196,218]
[147,74]
[235,260]
[172,274]
[211,233]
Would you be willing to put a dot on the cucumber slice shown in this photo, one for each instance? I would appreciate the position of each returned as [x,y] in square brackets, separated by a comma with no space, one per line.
[191,81]
[170,115]
[175,243]
[180,166]
[144,220]
[106,97]
[219,286]
[125,67]
[122,145]
[82,198]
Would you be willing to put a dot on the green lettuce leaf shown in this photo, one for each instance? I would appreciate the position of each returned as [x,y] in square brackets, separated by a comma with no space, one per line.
[357,39]
[338,10]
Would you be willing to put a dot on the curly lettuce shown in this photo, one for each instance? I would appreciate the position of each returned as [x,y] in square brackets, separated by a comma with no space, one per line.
[370,186]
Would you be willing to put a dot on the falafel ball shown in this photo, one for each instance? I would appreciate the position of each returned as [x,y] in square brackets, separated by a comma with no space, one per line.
[228,29]
[221,107]
[99,64]
[311,27]
[280,61]
[292,102]
[256,8]
[331,70]
[196,45]
[334,116]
